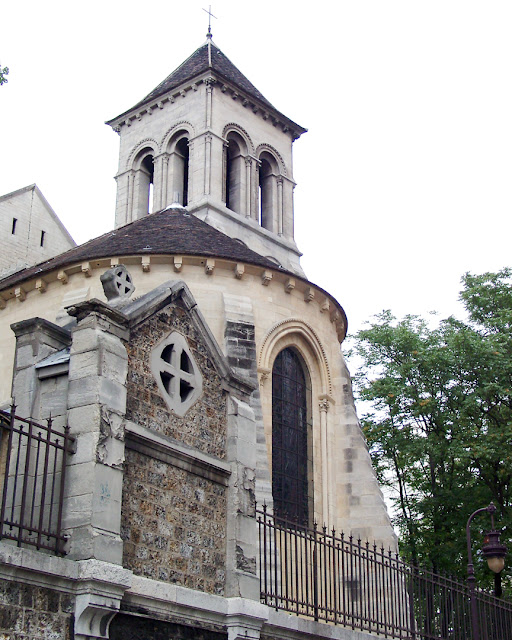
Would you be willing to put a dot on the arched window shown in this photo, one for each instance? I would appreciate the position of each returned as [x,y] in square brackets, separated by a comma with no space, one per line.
[177,160]
[291,439]
[143,185]
[181,156]
[268,197]
[235,187]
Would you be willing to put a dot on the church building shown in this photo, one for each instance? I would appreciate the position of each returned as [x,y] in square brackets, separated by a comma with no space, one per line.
[171,383]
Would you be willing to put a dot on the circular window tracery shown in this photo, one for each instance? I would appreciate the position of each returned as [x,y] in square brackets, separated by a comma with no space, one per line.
[176,373]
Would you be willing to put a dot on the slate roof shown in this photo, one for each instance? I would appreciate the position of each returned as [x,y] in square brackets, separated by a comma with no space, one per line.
[169,232]
[208,56]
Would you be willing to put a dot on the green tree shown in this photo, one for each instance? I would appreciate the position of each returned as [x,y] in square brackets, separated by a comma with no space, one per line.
[439,419]
[4,72]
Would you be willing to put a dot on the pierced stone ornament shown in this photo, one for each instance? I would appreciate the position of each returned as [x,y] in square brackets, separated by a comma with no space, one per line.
[117,283]
[176,373]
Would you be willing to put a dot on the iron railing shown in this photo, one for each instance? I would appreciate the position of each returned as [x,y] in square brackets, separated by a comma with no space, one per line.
[33,466]
[331,578]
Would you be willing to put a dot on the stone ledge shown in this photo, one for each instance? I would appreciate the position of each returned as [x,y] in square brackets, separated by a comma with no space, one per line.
[162,448]
[164,599]
[284,626]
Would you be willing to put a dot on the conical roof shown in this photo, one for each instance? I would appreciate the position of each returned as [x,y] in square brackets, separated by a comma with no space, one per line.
[168,232]
[207,57]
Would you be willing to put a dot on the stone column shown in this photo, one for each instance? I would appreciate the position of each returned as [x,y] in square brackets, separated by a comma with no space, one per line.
[97,404]
[324,407]
[248,186]
[280,205]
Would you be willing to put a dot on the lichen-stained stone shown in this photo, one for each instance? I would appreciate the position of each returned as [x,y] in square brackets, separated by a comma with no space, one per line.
[34,613]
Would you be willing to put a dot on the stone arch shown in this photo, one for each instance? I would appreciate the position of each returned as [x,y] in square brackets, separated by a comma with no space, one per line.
[272,151]
[294,333]
[143,171]
[176,164]
[185,125]
[236,184]
[270,190]
[232,126]
[146,144]
[299,334]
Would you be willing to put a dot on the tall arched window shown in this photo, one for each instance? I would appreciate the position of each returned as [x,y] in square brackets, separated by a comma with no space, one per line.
[235,187]
[181,162]
[143,184]
[266,195]
[291,439]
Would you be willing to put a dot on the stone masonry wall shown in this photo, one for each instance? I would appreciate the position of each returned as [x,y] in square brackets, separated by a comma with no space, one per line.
[204,425]
[173,524]
[29,612]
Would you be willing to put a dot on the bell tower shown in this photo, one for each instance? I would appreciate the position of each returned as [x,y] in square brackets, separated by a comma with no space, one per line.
[207,139]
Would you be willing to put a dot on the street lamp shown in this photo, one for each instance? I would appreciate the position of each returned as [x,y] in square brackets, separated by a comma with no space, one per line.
[493,551]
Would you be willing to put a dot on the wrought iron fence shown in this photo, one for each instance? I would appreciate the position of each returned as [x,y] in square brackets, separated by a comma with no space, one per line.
[33,466]
[338,580]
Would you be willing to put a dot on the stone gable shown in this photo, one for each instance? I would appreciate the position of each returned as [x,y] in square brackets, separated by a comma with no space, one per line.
[204,425]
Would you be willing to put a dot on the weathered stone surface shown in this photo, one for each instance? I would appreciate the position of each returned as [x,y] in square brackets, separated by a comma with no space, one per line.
[173,524]
[34,613]
[204,424]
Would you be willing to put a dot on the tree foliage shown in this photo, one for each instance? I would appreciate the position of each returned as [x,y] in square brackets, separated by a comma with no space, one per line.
[4,72]
[439,424]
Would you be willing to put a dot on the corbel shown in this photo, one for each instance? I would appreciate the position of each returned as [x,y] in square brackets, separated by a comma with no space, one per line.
[194,86]
[62,276]
[309,294]
[325,306]
[235,95]
[239,271]
[3,303]
[146,263]
[183,93]
[266,278]
[209,266]
[86,269]
[20,294]
[41,285]
[160,104]
[289,285]
[178,263]
[149,111]
[114,262]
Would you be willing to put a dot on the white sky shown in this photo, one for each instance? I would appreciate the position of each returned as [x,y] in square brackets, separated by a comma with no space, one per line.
[404,178]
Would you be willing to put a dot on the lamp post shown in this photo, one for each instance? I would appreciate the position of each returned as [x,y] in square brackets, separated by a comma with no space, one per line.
[493,551]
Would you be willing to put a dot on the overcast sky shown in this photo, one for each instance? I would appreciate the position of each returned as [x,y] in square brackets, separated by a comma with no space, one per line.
[403,180]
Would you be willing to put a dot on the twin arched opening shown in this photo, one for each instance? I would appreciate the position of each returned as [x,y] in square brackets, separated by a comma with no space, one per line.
[161,179]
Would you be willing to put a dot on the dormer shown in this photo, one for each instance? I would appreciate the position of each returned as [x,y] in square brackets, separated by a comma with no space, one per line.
[207,139]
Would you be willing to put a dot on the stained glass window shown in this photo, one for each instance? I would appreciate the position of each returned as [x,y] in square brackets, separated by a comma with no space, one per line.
[291,460]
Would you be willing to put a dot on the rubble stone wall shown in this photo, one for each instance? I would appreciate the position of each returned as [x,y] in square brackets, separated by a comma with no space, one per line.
[173,524]
[34,613]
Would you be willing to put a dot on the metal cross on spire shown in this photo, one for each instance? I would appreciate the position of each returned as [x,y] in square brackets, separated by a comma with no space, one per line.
[210,16]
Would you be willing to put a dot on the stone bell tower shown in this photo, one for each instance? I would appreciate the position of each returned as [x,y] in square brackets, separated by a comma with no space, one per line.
[207,139]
